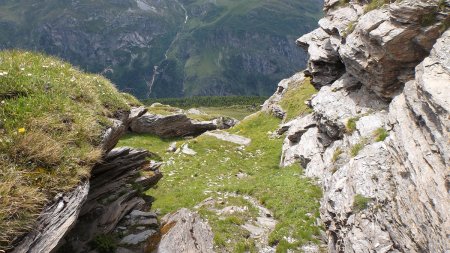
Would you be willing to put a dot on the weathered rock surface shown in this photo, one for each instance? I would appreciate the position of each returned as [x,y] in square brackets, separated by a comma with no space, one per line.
[383,165]
[55,221]
[119,127]
[225,136]
[177,125]
[185,231]
[380,48]
[115,191]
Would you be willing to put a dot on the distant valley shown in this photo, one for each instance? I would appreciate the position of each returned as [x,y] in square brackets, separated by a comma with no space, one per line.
[170,48]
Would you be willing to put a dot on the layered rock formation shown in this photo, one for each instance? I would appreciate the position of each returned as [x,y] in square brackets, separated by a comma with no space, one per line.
[377,140]
[177,124]
[117,187]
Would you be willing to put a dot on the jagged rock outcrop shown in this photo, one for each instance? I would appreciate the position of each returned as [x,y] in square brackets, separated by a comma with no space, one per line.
[119,127]
[379,48]
[177,125]
[116,189]
[185,231]
[383,164]
[54,222]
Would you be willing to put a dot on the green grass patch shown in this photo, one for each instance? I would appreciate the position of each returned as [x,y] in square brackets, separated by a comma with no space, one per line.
[360,202]
[237,111]
[293,102]
[350,127]
[428,19]
[163,109]
[355,149]
[51,120]
[188,180]
[350,28]
[375,4]
[104,243]
[338,152]
[380,134]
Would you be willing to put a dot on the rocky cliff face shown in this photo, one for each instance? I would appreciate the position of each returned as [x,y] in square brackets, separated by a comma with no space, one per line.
[377,140]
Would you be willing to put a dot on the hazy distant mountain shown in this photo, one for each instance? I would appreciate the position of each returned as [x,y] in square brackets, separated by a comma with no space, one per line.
[168,48]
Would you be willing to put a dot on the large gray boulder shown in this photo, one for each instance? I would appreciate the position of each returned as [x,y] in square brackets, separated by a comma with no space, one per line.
[177,125]
[185,231]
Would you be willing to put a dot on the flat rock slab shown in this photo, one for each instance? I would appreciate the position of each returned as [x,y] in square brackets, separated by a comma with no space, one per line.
[225,136]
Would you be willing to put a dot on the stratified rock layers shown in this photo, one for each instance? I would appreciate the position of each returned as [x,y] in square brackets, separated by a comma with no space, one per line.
[378,139]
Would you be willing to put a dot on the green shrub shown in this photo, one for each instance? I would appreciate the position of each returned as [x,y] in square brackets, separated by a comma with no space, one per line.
[381,134]
[105,243]
[428,20]
[360,202]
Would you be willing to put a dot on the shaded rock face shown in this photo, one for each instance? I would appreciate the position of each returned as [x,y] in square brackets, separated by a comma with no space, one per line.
[116,187]
[383,164]
[177,125]
[185,231]
[379,48]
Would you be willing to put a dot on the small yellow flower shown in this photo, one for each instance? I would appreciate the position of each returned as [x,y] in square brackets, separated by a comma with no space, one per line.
[21,130]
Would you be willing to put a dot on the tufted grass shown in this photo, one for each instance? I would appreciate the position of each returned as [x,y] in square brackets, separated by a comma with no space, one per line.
[51,119]
[380,134]
[360,202]
[375,4]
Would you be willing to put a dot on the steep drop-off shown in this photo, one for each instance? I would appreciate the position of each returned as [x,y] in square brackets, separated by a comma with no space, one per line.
[167,48]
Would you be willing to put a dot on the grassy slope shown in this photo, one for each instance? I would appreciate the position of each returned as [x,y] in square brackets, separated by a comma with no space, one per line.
[51,119]
[293,100]
[188,180]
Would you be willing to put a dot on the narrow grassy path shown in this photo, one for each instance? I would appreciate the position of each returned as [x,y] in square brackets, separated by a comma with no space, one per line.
[221,168]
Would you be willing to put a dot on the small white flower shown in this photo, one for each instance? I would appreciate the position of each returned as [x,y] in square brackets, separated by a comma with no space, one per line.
[22,69]
[29,74]
[3,102]
[45,66]
[72,79]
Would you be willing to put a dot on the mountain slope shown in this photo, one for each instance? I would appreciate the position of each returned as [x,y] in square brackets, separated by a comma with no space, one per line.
[196,45]
[236,47]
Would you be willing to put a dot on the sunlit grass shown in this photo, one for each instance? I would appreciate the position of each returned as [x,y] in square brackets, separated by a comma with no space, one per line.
[188,180]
